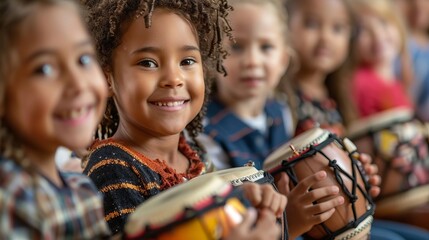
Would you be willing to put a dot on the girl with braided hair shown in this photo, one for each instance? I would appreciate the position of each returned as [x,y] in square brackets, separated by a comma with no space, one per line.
[52,93]
[157,57]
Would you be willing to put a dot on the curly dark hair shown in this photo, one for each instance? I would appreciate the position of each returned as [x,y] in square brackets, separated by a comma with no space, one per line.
[107,20]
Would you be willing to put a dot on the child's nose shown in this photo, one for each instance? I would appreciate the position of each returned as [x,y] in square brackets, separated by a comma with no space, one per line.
[326,33]
[252,57]
[172,78]
[76,80]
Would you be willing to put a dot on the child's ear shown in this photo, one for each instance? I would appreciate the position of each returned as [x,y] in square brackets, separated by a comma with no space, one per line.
[110,83]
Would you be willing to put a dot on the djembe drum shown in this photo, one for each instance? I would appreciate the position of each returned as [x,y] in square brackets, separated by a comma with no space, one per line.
[238,175]
[316,150]
[398,145]
[201,209]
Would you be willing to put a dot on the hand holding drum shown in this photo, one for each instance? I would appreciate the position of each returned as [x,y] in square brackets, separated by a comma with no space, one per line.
[259,189]
[319,163]
[398,145]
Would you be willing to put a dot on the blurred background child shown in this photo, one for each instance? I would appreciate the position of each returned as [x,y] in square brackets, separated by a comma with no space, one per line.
[322,34]
[52,93]
[247,121]
[243,117]
[381,40]
[416,17]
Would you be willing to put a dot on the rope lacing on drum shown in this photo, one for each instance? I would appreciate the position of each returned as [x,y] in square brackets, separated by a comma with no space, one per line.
[287,166]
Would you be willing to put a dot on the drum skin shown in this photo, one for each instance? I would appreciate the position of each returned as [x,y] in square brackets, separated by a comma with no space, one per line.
[200,209]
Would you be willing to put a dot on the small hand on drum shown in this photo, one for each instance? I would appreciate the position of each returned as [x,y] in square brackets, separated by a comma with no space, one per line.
[264,196]
[302,211]
[256,226]
[372,171]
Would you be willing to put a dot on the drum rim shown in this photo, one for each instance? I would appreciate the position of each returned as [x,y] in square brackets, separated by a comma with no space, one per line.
[301,143]
[201,188]
[363,229]
[379,121]
[236,176]
[402,202]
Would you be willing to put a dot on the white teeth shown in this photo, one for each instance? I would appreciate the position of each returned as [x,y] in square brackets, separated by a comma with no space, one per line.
[74,114]
[169,104]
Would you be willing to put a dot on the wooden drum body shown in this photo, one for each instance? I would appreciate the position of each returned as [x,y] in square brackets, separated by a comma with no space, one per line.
[398,145]
[200,209]
[316,150]
[238,175]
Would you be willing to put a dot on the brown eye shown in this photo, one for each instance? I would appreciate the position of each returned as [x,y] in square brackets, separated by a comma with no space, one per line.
[187,62]
[148,63]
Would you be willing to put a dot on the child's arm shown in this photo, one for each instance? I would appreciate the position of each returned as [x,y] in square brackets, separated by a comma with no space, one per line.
[301,211]
[263,196]
[256,226]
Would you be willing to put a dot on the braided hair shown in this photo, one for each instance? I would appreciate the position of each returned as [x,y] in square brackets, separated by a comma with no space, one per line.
[107,20]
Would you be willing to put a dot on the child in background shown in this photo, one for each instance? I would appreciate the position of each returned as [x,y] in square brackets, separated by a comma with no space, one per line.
[244,119]
[416,17]
[381,40]
[258,59]
[322,34]
[52,93]
[157,56]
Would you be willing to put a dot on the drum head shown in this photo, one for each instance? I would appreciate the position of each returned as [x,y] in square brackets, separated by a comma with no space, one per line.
[296,146]
[379,121]
[238,175]
[161,209]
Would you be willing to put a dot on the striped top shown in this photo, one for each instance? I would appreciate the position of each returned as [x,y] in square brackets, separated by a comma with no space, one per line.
[32,207]
[127,178]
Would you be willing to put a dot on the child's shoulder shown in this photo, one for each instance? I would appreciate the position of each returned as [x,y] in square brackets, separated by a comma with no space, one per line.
[110,157]
[17,194]
[12,176]
[113,152]
[79,182]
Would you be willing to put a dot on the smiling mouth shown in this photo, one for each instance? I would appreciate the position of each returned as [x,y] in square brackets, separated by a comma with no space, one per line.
[169,104]
[74,114]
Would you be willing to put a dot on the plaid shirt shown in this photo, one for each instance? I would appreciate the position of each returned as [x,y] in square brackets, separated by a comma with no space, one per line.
[34,208]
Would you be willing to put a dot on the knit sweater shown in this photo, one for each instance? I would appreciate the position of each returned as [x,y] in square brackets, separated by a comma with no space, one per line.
[127,178]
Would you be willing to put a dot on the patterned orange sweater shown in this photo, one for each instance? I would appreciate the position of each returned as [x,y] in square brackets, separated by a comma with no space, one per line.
[127,178]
